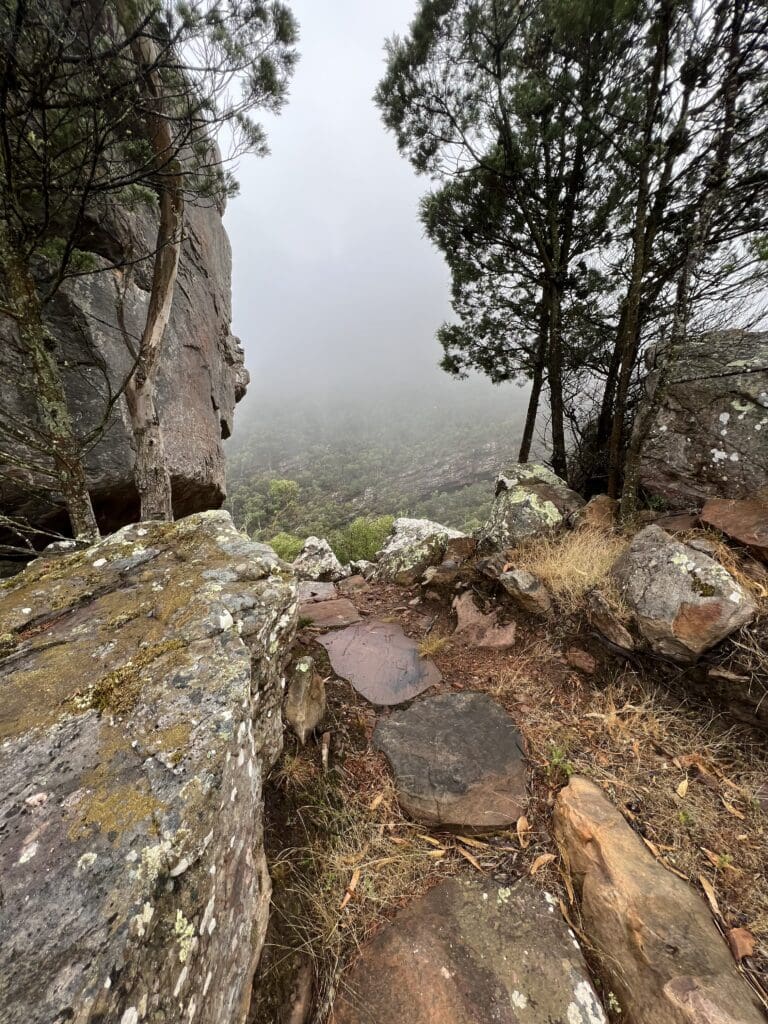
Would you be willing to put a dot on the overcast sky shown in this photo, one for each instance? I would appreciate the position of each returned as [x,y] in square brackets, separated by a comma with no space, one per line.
[333,281]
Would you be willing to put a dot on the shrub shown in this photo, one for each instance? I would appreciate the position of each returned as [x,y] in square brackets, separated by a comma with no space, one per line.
[361,538]
[285,545]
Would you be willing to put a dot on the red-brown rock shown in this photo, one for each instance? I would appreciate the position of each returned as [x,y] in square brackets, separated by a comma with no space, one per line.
[744,520]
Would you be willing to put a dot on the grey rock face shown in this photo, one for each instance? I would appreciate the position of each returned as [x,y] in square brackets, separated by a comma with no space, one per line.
[710,436]
[682,600]
[457,761]
[413,545]
[141,683]
[201,367]
[317,562]
[472,952]
[530,500]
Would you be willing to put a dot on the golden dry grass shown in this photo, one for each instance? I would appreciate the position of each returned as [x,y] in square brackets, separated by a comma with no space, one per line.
[572,563]
[432,645]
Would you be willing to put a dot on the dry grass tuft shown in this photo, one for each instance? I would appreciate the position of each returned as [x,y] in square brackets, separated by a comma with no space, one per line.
[432,645]
[572,563]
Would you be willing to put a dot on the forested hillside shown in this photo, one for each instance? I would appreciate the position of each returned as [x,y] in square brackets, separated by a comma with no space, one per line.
[309,466]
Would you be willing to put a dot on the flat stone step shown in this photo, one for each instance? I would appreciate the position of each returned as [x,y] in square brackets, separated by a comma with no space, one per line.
[471,952]
[330,614]
[457,761]
[380,661]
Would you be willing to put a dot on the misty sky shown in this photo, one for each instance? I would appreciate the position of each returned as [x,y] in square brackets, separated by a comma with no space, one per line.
[333,281]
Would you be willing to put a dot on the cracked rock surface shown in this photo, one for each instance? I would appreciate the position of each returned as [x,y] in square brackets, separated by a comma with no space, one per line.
[141,683]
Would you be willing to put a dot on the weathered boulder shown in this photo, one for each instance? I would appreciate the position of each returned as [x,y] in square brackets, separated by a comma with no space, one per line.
[526,591]
[380,661]
[141,688]
[744,520]
[479,628]
[709,437]
[457,760]
[598,513]
[682,600]
[317,562]
[530,500]
[201,373]
[412,545]
[657,944]
[304,698]
[362,567]
[472,952]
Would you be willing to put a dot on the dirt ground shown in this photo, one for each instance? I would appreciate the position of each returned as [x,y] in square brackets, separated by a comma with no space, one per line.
[687,777]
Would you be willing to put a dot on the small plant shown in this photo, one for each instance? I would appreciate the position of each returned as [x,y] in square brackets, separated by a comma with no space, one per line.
[362,538]
[286,546]
[432,645]
[304,621]
[559,765]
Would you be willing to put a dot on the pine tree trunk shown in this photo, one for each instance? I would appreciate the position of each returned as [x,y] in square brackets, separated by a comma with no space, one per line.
[53,409]
[536,385]
[555,378]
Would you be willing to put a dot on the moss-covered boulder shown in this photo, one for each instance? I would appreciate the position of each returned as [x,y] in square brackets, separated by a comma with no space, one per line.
[141,687]
[530,500]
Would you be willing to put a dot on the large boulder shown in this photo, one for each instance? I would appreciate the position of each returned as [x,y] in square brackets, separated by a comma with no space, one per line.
[683,601]
[201,373]
[141,685]
[744,520]
[316,561]
[472,952]
[457,760]
[412,545]
[709,437]
[653,935]
[530,500]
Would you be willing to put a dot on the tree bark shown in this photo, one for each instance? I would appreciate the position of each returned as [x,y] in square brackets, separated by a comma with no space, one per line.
[555,379]
[537,381]
[53,409]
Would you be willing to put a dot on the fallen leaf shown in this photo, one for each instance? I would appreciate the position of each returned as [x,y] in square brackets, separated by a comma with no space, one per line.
[719,860]
[742,942]
[430,840]
[468,856]
[473,842]
[542,860]
[709,892]
[375,802]
[682,789]
[350,888]
[731,809]
[523,831]
[437,854]
[398,841]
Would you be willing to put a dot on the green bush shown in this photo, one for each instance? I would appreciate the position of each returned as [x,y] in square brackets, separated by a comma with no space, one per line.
[285,545]
[361,538]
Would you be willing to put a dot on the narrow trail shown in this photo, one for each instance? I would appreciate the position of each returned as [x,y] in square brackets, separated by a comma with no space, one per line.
[355,847]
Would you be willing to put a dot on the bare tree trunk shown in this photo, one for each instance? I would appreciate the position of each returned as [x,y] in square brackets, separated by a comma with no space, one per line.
[555,379]
[55,418]
[536,384]
[151,475]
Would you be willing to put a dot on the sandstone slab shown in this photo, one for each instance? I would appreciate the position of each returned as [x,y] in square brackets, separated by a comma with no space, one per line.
[744,520]
[380,661]
[304,698]
[480,629]
[311,590]
[457,760]
[412,545]
[330,614]
[472,952]
[657,943]
[530,500]
[682,600]
[141,690]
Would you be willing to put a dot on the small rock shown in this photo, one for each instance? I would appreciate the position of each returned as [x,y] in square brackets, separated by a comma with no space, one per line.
[581,660]
[457,761]
[472,952]
[683,601]
[653,934]
[380,661]
[316,561]
[362,567]
[526,591]
[441,578]
[530,500]
[599,513]
[411,547]
[606,621]
[305,699]
[330,614]
[479,629]
[310,591]
[745,521]
[354,586]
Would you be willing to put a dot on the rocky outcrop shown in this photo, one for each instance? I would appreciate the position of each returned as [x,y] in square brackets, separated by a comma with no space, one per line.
[530,500]
[317,562]
[709,437]
[682,600]
[412,545]
[141,683]
[472,952]
[655,938]
[457,760]
[201,372]
[743,520]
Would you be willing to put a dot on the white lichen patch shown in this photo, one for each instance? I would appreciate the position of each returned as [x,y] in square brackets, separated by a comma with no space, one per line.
[519,1001]
[185,935]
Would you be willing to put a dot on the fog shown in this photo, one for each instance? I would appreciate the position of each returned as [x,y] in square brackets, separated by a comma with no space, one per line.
[335,290]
